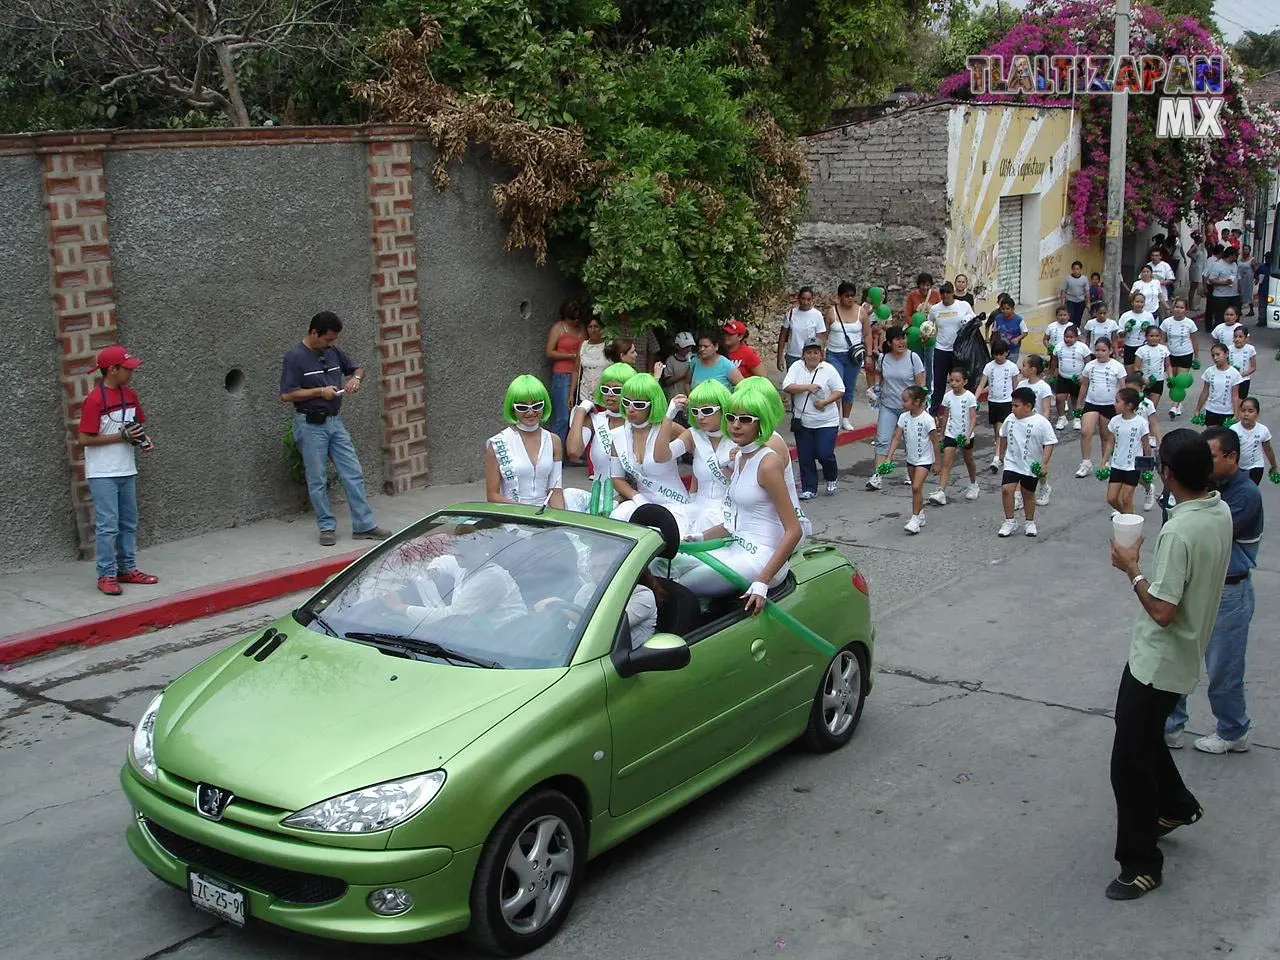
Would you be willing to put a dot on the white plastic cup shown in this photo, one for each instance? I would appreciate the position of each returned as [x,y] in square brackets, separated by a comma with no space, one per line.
[1126,529]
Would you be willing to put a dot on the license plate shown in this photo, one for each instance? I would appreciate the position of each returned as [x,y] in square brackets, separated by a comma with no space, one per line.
[214,896]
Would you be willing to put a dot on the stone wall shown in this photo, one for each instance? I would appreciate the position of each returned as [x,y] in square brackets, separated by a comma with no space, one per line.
[877,202]
[206,252]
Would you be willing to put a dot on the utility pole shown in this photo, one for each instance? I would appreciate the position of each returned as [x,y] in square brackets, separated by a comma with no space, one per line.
[1114,251]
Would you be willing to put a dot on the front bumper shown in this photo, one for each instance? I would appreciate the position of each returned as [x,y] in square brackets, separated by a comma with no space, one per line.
[276,872]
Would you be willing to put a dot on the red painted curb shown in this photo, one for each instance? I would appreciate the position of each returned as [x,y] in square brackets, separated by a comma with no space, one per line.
[136,618]
[163,612]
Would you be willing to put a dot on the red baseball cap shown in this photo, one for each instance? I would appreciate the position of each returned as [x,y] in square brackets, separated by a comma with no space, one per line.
[117,356]
[735,328]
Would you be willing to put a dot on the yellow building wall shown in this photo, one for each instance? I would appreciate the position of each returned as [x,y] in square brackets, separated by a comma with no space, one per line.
[998,151]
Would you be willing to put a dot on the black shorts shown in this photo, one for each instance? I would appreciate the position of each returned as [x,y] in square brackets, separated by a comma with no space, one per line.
[1183,361]
[1065,386]
[1154,389]
[1130,478]
[1130,355]
[1106,410]
[1027,483]
[998,412]
[1243,389]
[1212,419]
[1256,474]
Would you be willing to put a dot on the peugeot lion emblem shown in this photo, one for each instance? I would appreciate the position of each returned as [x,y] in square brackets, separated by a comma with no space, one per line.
[211,802]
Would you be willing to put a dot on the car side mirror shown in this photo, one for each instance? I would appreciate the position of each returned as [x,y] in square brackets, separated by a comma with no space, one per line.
[662,651]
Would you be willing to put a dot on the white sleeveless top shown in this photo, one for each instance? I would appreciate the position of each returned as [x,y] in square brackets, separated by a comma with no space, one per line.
[749,514]
[523,481]
[656,482]
[710,457]
[841,339]
[601,443]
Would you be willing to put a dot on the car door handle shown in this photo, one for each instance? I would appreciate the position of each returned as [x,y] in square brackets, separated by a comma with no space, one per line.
[758,650]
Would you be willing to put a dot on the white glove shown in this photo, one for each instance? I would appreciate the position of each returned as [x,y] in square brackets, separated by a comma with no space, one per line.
[672,409]
[758,589]
[587,406]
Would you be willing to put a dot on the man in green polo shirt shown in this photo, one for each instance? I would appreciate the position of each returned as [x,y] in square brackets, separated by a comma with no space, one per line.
[1179,604]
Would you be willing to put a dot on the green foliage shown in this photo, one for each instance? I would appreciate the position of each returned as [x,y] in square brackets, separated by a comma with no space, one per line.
[1199,10]
[293,456]
[1259,52]
[963,32]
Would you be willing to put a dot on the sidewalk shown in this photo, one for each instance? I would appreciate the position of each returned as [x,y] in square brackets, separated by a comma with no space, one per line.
[56,606]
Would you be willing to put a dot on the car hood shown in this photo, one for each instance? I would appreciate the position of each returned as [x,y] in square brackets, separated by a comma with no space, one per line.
[321,716]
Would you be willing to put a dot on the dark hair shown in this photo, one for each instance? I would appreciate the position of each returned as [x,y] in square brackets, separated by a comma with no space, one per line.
[571,309]
[1187,455]
[1136,378]
[1218,345]
[1099,305]
[325,322]
[1077,263]
[803,290]
[946,287]
[1179,300]
[613,351]
[893,333]
[1230,252]
[999,346]
[1254,400]
[1152,329]
[715,336]
[1071,328]
[1130,396]
[1228,440]
[1006,300]
[1024,395]
[916,392]
[1035,361]
[1095,274]
[924,278]
[846,287]
[961,369]
[1107,340]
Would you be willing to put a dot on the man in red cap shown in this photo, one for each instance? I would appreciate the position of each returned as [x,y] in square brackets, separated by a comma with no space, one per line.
[740,355]
[110,428]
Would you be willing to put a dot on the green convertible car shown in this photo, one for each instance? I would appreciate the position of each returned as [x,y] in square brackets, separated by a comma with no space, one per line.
[440,738]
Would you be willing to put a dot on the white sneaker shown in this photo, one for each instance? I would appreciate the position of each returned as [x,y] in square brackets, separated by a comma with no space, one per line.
[1215,744]
[1175,740]
[938,498]
[1084,468]
[832,487]
[1007,528]
[906,481]
[1017,499]
[873,482]
[971,492]
[807,495]
[913,525]
[1061,424]
[845,424]
[1175,411]
[1043,494]
[1075,424]
[995,464]
[1030,529]
[1150,502]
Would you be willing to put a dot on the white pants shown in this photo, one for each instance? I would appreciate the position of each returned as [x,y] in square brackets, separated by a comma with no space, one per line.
[579,501]
[626,508]
[706,582]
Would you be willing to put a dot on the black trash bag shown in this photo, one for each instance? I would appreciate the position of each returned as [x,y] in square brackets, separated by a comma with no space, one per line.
[971,350]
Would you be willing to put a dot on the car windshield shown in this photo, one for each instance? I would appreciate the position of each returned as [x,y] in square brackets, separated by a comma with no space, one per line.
[473,590]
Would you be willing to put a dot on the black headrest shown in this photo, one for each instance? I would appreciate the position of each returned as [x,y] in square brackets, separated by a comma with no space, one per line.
[660,519]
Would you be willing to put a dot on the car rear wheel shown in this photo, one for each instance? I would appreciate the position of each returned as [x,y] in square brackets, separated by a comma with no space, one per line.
[837,706]
[528,874]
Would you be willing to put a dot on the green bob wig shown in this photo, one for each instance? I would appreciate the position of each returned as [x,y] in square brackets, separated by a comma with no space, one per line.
[643,386]
[764,386]
[709,393]
[757,403]
[526,388]
[618,373]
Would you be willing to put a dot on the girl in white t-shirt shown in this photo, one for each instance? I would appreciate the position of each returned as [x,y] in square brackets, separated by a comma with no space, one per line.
[917,434]
[1068,366]
[1244,357]
[1226,330]
[1134,323]
[1100,326]
[999,377]
[1220,395]
[1102,376]
[1147,411]
[1153,362]
[1128,437]
[1031,370]
[1054,331]
[1255,441]
[961,409]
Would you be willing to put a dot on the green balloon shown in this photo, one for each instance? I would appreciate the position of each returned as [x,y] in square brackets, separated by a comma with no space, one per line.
[1182,380]
[882,310]
[914,340]
[1177,394]
[918,318]
[876,296]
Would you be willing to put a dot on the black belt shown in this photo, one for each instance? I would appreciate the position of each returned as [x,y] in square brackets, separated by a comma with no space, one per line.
[1236,578]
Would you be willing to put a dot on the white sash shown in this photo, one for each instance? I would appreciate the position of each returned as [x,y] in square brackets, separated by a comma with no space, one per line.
[504,445]
[708,452]
[625,456]
[600,423]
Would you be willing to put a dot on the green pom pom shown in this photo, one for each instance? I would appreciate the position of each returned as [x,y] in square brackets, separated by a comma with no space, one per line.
[1103,473]
[1229,422]
[1198,419]
[961,440]
[1037,470]
[1147,478]
[1075,378]
[1195,364]
[886,468]
[1152,382]
[1274,476]
[1077,413]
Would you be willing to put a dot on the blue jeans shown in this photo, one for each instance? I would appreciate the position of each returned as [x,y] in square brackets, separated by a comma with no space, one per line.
[848,373]
[886,423]
[560,384]
[115,523]
[926,357]
[1224,662]
[319,443]
[816,443]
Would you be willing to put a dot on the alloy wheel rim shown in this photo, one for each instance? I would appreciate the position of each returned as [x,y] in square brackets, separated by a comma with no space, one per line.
[537,875]
[840,690]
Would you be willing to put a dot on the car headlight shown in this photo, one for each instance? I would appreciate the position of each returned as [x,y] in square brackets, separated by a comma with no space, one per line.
[144,740]
[379,807]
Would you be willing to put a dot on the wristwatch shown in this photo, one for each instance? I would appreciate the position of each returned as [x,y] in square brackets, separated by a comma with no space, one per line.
[1140,578]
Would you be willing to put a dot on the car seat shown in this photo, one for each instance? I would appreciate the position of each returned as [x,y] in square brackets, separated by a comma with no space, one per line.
[679,612]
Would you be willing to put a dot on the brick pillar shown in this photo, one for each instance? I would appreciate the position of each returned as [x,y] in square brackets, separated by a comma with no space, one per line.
[83,291]
[395,295]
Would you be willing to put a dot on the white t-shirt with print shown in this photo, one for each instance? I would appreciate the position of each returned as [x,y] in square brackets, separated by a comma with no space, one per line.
[1162,271]
[1147,410]
[1000,380]
[1251,441]
[949,320]
[1151,290]
[1225,334]
[1095,329]
[1220,383]
[1053,335]
[1240,357]
[1043,392]
[1152,360]
[1128,434]
[1104,381]
[916,444]
[1135,326]
[1025,440]
[825,376]
[1179,334]
[1072,358]
[804,324]
[958,408]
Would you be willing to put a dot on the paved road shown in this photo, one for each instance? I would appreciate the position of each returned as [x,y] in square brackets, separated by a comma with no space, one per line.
[969,819]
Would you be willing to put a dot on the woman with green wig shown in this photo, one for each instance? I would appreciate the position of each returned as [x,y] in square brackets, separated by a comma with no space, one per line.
[639,474]
[595,418]
[710,448]
[522,464]
[758,511]
[779,446]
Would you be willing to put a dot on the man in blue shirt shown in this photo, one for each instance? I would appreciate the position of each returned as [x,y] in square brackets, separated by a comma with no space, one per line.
[312,379]
[1225,656]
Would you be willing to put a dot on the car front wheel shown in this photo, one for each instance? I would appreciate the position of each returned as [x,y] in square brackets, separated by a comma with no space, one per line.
[528,874]
[837,706]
